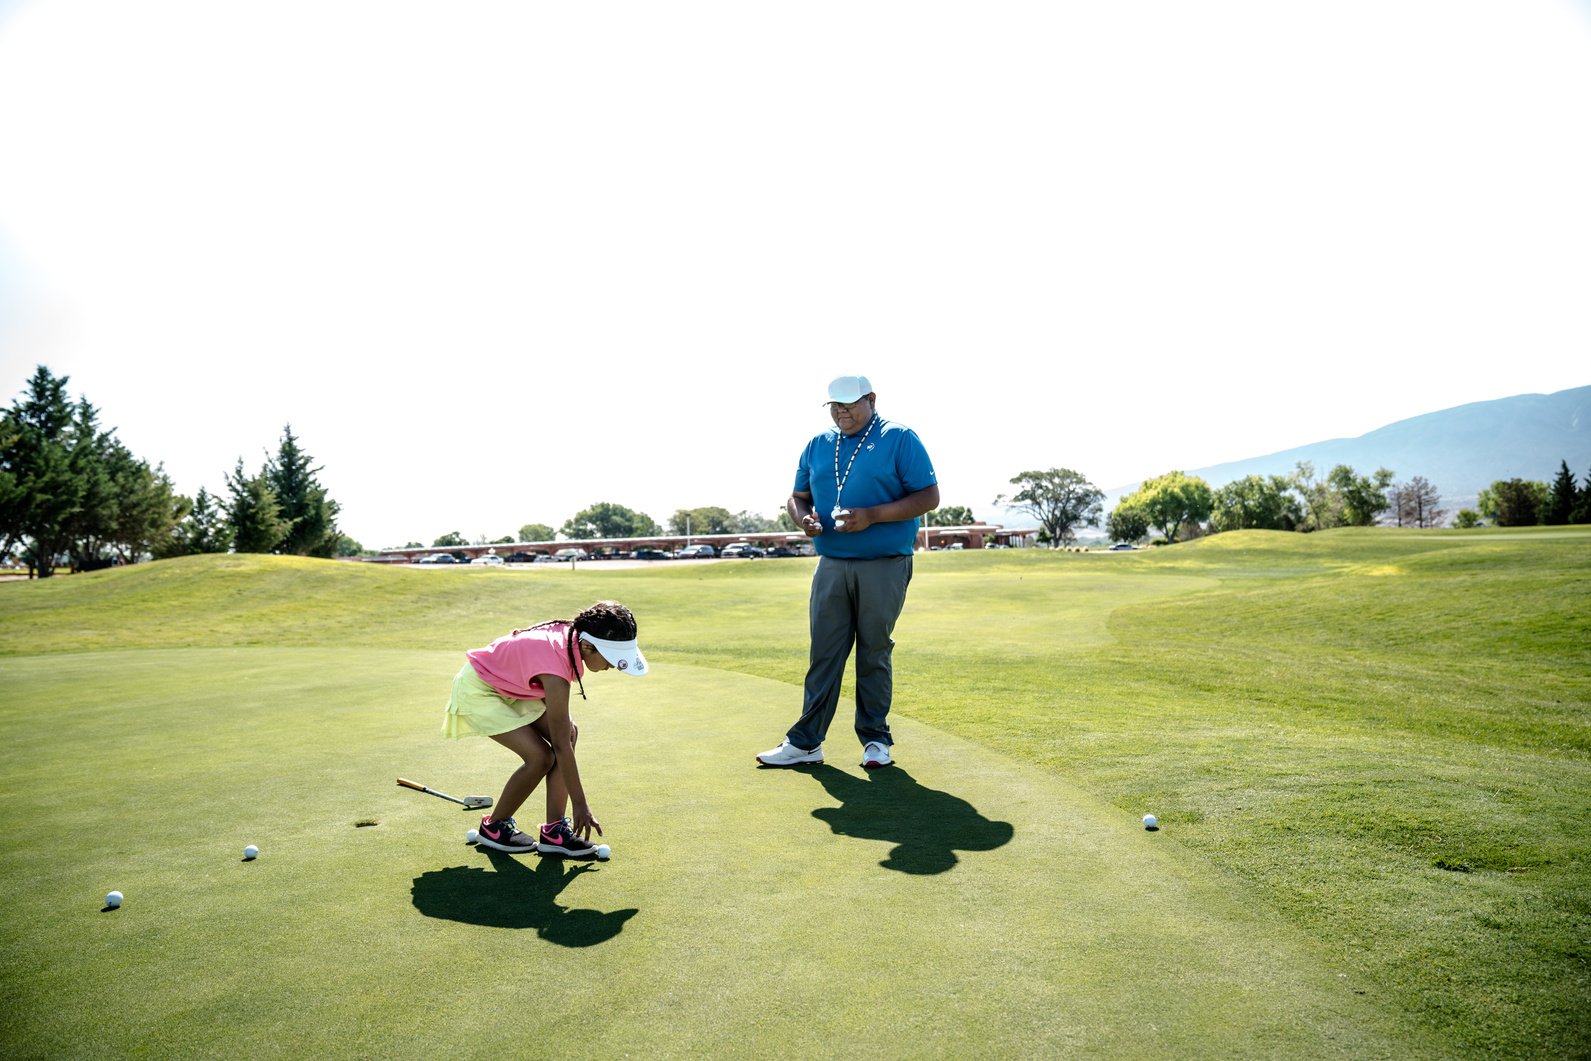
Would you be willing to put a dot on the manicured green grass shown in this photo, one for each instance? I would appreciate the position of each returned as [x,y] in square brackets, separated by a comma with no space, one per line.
[1368,750]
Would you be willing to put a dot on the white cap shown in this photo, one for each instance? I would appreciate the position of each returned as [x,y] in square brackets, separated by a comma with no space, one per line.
[624,655]
[848,389]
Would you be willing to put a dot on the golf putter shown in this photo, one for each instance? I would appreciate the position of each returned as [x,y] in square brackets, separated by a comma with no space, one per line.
[474,802]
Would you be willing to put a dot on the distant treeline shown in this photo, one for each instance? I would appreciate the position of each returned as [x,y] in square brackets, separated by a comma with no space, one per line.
[72,494]
[1181,506]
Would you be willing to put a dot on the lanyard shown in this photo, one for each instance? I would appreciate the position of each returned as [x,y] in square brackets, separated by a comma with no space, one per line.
[839,481]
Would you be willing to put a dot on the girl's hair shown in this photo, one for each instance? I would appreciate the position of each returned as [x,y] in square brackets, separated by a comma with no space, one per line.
[606,619]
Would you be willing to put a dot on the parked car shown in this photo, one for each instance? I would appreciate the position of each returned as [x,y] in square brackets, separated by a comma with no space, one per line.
[521,558]
[546,558]
[694,552]
[439,558]
[745,550]
[649,554]
[1122,547]
[565,556]
[489,560]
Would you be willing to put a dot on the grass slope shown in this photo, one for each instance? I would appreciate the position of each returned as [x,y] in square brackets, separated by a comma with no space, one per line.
[975,904]
[1376,739]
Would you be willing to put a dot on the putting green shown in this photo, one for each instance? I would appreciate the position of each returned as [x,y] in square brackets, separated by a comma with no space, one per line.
[959,904]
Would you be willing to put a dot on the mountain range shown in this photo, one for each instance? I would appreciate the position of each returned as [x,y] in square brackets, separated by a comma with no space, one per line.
[1460,451]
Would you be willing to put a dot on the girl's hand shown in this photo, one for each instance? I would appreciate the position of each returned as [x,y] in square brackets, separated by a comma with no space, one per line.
[582,821]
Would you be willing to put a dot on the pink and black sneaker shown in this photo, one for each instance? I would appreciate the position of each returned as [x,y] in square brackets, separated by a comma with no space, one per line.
[503,836]
[558,838]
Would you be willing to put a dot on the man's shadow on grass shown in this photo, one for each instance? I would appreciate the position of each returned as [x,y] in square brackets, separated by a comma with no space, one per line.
[927,826]
[520,892]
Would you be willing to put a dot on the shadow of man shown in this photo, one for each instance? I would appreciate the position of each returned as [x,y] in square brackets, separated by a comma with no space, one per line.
[517,895]
[927,826]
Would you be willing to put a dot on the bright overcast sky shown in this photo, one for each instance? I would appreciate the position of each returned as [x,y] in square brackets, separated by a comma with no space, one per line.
[496,261]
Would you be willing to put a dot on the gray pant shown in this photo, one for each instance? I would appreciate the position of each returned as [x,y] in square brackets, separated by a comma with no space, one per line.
[853,602]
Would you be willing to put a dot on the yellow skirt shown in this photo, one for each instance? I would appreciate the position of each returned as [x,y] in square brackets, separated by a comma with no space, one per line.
[475,708]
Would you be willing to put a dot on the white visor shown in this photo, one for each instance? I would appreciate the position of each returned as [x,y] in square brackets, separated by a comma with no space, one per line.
[624,655]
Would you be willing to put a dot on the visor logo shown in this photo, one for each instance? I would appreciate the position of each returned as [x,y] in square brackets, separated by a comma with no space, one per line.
[624,664]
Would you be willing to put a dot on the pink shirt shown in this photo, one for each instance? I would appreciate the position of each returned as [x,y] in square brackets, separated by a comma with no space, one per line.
[511,664]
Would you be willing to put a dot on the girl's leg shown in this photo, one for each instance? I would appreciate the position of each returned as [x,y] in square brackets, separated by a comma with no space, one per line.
[557,791]
[537,760]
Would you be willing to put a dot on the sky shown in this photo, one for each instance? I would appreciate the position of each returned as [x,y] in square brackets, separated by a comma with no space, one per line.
[495,262]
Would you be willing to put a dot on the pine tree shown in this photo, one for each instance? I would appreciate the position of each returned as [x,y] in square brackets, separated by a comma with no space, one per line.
[310,516]
[43,484]
[1582,502]
[1559,508]
[253,514]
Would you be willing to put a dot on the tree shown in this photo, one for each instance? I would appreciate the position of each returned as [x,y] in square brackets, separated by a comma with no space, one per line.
[536,532]
[45,459]
[147,509]
[93,452]
[346,546]
[201,529]
[450,539]
[1060,499]
[751,523]
[950,516]
[1358,499]
[1415,503]
[1513,502]
[254,517]
[1316,493]
[1256,503]
[1127,523]
[1467,519]
[608,520]
[709,520]
[1171,500]
[310,516]
[1561,497]
[1582,502]
[1343,498]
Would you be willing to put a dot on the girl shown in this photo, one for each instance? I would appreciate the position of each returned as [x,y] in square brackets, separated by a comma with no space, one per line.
[516,691]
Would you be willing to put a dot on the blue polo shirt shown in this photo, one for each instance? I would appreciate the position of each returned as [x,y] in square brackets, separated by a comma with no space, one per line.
[891,464]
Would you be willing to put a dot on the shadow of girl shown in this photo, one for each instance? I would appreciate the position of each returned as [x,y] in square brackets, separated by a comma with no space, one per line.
[927,826]
[517,894]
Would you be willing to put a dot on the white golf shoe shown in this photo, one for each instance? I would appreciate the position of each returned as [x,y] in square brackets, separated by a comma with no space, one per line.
[788,754]
[875,754]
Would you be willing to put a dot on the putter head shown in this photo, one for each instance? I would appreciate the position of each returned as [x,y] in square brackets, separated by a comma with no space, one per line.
[477,802]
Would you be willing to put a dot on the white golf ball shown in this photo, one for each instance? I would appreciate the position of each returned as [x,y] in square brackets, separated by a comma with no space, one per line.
[1151,822]
[113,899]
[471,836]
[251,852]
[604,852]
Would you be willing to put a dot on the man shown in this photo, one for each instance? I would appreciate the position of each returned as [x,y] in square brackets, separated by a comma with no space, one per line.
[859,489]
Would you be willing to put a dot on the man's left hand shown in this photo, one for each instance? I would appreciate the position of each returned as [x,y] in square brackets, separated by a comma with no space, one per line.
[850,520]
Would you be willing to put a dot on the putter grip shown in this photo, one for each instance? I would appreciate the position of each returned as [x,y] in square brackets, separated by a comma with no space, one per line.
[406,783]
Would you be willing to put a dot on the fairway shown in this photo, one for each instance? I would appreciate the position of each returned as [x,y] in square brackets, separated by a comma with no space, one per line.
[994,894]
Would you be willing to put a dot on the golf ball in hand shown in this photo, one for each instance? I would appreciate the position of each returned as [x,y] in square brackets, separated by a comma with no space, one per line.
[1151,822]
[471,836]
[251,852]
[604,852]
